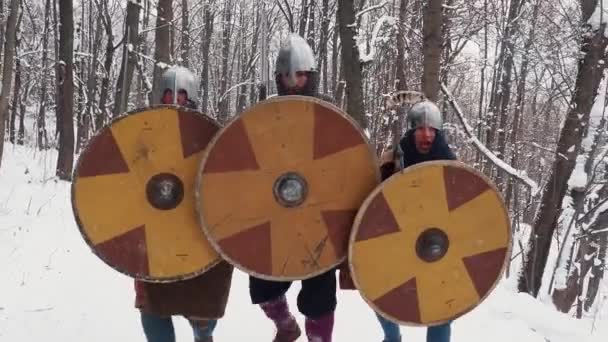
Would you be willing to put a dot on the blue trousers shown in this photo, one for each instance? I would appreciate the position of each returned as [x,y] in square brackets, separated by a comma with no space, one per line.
[160,329]
[438,333]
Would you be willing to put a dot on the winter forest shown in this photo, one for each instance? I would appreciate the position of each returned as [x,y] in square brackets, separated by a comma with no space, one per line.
[521,84]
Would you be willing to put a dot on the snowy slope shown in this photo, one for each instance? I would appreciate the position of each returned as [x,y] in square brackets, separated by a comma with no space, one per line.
[52,288]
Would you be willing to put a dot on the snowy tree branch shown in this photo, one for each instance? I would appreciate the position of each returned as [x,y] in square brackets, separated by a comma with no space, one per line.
[247,82]
[368,57]
[369,9]
[517,174]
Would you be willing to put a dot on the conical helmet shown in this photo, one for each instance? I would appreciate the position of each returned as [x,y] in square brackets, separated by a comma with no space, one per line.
[294,55]
[424,114]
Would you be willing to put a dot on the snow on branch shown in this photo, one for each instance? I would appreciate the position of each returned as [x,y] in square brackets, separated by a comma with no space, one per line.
[369,9]
[517,174]
[600,17]
[605,230]
[590,218]
[368,57]
[247,82]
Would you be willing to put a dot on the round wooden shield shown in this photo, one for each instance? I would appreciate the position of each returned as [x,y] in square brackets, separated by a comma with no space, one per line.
[133,194]
[430,243]
[279,187]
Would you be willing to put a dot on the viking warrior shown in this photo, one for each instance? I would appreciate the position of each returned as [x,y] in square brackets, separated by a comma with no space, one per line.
[296,74]
[181,81]
[210,288]
[423,141]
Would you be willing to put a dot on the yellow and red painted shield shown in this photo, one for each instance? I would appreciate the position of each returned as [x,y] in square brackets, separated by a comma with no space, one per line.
[279,187]
[133,194]
[430,243]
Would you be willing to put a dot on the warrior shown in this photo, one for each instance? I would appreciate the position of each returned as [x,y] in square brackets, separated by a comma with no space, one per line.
[423,141]
[296,74]
[157,326]
[181,81]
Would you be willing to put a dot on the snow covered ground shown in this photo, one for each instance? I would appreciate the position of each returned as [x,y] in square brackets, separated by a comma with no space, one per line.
[52,288]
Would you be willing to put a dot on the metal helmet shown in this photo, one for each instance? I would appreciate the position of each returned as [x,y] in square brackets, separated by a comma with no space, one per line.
[178,78]
[424,114]
[294,55]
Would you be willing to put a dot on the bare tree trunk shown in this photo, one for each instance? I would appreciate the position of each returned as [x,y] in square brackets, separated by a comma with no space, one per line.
[491,120]
[401,63]
[17,84]
[520,100]
[587,252]
[100,118]
[505,84]
[57,70]
[41,134]
[597,270]
[431,47]
[482,86]
[335,62]
[79,69]
[129,59]
[65,107]
[21,131]
[303,18]
[590,72]
[185,42]
[225,74]
[241,60]
[7,69]
[91,82]
[323,45]
[205,47]
[162,51]
[448,53]
[143,89]
[311,24]
[563,298]
[2,27]
[248,67]
[350,61]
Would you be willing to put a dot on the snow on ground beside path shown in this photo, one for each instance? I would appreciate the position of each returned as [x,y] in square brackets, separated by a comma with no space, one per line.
[53,288]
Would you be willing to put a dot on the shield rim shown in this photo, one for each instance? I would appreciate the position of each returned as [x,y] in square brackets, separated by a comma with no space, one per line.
[372,195]
[73,194]
[199,201]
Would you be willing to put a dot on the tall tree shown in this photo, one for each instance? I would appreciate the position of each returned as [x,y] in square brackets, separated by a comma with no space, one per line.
[520,103]
[401,37]
[350,61]
[65,107]
[185,42]
[103,113]
[7,68]
[431,47]
[504,89]
[162,50]
[17,84]
[129,59]
[205,48]
[323,43]
[41,134]
[591,65]
[2,27]
[224,100]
